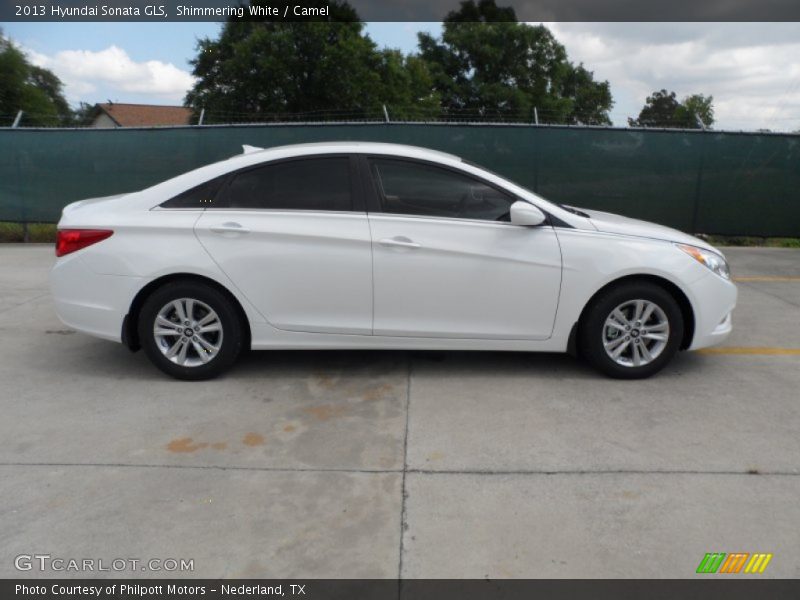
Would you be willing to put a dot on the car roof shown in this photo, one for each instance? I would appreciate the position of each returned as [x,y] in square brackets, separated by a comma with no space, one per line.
[351,146]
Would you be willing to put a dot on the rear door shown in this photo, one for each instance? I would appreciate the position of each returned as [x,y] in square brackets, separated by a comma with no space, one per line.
[293,236]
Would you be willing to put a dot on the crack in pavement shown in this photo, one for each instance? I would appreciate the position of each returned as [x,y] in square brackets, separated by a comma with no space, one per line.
[403,523]
[23,303]
[406,471]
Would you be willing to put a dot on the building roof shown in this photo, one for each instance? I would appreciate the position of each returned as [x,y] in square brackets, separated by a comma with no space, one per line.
[146,115]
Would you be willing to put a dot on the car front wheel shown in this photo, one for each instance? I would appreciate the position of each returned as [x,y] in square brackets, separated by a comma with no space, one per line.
[190,330]
[632,330]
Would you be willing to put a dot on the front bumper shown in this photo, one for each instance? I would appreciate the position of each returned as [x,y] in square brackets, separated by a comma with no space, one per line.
[713,300]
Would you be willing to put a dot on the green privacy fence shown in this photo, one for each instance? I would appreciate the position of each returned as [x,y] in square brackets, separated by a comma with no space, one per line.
[701,182]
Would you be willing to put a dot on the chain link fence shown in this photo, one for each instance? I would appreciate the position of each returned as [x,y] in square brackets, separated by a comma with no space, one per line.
[727,183]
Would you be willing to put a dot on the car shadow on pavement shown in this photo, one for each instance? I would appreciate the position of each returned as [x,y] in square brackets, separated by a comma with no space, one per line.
[95,358]
[448,363]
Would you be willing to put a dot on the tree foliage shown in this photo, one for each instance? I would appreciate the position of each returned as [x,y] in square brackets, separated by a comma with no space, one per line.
[84,114]
[662,109]
[485,63]
[697,107]
[488,64]
[407,86]
[275,67]
[34,90]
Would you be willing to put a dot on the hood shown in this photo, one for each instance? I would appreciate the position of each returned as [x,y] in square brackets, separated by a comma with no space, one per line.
[611,223]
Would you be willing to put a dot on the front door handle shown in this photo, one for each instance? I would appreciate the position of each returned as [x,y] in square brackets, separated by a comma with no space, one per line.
[400,241]
[229,227]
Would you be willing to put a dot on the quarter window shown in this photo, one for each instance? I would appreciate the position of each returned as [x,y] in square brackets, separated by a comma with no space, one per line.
[305,184]
[201,196]
[411,188]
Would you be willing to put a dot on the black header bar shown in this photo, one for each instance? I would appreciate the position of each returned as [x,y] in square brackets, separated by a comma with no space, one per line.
[395,10]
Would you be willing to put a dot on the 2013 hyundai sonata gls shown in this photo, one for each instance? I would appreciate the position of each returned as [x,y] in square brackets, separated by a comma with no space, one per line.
[364,245]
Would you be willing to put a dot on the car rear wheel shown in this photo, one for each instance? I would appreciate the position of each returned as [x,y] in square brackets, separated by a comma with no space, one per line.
[632,330]
[190,330]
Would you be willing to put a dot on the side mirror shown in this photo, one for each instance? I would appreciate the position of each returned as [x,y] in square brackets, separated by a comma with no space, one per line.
[524,213]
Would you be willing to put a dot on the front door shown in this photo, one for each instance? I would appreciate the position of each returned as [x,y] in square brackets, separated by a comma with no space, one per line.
[448,263]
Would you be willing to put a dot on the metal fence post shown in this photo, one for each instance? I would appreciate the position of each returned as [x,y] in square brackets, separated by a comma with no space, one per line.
[385,114]
[202,114]
[534,133]
[17,119]
[700,122]
[698,187]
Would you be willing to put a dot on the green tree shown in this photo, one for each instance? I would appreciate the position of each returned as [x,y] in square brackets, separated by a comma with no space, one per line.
[697,107]
[658,111]
[84,114]
[662,109]
[322,67]
[487,64]
[406,86]
[34,90]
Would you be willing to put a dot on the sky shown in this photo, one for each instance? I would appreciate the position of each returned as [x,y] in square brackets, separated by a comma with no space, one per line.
[751,69]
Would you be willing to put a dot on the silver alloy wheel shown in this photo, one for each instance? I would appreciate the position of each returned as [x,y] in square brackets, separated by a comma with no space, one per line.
[636,333]
[188,332]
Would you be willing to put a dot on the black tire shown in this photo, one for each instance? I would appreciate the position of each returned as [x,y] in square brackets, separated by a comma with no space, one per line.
[231,334]
[592,330]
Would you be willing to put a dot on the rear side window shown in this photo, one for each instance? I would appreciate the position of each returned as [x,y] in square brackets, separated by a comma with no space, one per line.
[202,196]
[321,184]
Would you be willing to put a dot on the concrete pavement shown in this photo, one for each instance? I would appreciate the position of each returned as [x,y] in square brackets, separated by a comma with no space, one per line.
[379,464]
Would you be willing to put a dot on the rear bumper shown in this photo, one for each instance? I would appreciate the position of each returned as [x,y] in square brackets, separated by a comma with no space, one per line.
[90,302]
[714,299]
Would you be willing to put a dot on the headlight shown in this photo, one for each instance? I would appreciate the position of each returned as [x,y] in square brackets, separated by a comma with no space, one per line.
[712,260]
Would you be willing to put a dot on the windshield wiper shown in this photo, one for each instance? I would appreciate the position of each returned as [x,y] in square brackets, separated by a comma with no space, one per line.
[574,210]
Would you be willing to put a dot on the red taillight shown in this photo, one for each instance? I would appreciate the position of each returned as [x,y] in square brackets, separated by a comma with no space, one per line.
[69,240]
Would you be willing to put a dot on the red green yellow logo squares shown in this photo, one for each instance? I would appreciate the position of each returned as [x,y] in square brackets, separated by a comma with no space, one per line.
[735,562]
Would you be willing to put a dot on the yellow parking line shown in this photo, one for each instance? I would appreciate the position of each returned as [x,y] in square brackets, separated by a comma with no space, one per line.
[751,350]
[767,278]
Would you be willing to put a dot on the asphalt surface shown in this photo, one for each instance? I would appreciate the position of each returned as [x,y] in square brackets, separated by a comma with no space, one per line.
[379,464]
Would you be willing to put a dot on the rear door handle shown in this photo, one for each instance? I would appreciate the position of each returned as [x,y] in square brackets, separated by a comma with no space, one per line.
[229,227]
[399,241]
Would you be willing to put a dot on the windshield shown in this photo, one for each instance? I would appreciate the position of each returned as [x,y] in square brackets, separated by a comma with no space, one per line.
[569,209]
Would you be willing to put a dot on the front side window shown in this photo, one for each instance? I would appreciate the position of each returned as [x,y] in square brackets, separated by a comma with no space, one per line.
[412,188]
[321,184]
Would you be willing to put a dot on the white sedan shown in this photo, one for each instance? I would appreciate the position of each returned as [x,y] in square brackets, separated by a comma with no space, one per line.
[378,246]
